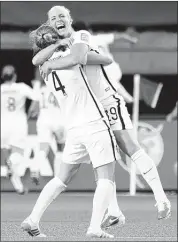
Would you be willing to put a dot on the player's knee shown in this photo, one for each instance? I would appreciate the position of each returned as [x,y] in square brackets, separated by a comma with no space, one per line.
[106,171]
[60,183]
[66,172]
[126,141]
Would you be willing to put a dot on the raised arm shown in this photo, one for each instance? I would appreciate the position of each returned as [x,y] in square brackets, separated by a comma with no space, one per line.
[44,54]
[78,55]
[123,92]
[96,58]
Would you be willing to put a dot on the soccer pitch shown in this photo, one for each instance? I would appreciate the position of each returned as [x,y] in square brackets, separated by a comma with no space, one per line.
[68,217]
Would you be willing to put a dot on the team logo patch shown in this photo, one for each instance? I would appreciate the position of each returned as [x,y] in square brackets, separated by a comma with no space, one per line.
[84,37]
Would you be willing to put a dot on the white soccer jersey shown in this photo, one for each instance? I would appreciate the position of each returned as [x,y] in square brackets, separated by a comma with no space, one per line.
[47,99]
[78,103]
[13,97]
[112,72]
[98,79]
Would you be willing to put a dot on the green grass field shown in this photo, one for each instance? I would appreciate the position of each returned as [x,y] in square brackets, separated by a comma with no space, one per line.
[68,217]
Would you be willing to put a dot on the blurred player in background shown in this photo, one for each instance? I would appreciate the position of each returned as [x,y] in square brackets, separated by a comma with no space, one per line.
[14,126]
[49,128]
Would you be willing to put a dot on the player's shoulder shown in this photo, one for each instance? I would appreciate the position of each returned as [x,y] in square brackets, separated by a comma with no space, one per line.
[3,87]
[82,32]
[20,85]
[82,35]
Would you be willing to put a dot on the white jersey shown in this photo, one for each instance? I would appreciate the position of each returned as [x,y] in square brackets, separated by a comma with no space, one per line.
[13,97]
[98,79]
[47,99]
[103,79]
[78,103]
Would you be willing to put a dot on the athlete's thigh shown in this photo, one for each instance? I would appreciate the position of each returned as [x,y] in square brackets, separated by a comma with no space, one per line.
[117,113]
[75,151]
[67,171]
[126,141]
[19,132]
[5,132]
[43,130]
[101,147]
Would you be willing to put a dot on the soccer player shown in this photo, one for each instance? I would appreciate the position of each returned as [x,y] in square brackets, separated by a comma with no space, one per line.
[121,124]
[14,125]
[48,127]
[87,127]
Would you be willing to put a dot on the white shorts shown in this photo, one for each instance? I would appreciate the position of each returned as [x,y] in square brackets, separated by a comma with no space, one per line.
[49,124]
[14,130]
[117,113]
[94,142]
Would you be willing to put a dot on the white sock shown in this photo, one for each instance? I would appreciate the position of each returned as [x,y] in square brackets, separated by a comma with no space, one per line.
[52,189]
[15,159]
[149,172]
[40,158]
[17,183]
[102,196]
[113,208]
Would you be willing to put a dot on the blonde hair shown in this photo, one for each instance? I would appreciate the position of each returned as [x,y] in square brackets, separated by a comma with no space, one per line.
[66,10]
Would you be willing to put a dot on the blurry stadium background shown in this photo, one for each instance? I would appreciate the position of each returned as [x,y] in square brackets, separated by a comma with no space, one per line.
[153,57]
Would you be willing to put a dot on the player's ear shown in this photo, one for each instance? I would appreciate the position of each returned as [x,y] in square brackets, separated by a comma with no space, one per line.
[71,20]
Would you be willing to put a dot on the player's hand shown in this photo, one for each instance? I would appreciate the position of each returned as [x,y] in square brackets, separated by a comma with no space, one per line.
[45,69]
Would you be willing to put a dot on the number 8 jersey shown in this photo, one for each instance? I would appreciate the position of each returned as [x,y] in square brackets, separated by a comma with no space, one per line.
[13,97]
[78,103]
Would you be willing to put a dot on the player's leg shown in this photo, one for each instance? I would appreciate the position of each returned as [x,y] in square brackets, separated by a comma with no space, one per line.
[5,153]
[44,137]
[49,193]
[54,187]
[15,160]
[101,148]
[126,141]
[17,144]
[114,215]
[5,149]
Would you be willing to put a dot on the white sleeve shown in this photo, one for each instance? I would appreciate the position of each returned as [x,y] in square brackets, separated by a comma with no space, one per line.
[29,92]
[82,36]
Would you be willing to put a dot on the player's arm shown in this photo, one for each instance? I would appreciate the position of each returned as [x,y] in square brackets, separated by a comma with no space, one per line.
[78,55]
[96,58]
[123,92]
[33,110]
[30,93]
[44,54]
